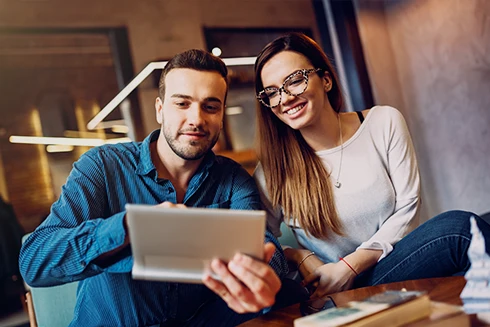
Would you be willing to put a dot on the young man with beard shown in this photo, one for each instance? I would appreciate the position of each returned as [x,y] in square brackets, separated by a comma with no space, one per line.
[85,236]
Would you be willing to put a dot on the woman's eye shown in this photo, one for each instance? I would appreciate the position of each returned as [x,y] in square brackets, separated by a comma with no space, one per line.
[296,81]
[271,93]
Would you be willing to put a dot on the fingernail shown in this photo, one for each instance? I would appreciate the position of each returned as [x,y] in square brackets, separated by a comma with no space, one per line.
[233,265]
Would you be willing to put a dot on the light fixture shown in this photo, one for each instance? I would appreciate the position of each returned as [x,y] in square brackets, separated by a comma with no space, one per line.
[216,51]
[55,148]
[123,129]
[94,122]
[74,141]
[237,110]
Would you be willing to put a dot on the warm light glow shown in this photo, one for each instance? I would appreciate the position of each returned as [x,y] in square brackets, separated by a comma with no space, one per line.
[54,148]
[94,122]
[110,123]
[216,51]
[44,170]
[237,110]
[74,141]
[70,133]
[120,129]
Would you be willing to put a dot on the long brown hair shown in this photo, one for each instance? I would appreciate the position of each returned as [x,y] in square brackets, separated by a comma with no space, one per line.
[295,176]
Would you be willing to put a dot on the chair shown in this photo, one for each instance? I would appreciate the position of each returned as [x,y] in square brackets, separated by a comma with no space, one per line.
[51,306]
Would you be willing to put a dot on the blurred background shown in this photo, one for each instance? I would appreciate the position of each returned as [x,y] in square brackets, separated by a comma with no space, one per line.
[62,61]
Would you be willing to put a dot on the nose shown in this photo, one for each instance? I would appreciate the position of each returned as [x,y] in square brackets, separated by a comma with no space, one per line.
[195,115]
[285,98]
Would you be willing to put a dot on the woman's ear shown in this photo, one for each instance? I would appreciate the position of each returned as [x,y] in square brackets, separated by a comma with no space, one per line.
[327,82]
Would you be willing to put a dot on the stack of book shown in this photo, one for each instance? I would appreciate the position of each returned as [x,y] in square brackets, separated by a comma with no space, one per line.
[390,308]
[476,293]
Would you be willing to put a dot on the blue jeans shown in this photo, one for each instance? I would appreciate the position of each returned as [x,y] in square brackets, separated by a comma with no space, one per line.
[437,248]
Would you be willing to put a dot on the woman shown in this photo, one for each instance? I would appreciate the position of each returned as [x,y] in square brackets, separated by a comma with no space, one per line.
[347,183]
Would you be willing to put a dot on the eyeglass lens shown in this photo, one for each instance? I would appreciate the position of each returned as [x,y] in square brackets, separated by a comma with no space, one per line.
[294,85]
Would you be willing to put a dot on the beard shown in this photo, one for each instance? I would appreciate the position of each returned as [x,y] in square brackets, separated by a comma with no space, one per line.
[193,150]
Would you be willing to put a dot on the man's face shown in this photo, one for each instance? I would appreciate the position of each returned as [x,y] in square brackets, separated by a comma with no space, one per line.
[191,113]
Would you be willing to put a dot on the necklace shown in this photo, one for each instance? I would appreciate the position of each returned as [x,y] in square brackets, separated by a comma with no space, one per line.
[337,183]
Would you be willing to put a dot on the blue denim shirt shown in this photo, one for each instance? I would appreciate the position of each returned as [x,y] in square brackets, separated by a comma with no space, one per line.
[87,221]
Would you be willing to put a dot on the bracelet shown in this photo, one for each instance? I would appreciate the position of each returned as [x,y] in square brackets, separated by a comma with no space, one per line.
[306,257]
[355,272]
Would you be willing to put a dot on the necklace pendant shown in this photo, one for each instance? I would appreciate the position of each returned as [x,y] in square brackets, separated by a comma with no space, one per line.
[338,184]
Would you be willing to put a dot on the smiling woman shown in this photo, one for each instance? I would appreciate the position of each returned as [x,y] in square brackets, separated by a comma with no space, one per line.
[347,183]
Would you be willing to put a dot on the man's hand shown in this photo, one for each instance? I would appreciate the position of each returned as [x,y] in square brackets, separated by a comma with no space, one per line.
[168,204]
[247,284]
[331,278]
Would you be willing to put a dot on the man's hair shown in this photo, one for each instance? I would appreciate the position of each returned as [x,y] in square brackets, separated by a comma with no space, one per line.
[193,59]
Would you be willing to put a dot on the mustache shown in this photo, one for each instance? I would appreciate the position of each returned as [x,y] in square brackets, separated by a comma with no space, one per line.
[192,130]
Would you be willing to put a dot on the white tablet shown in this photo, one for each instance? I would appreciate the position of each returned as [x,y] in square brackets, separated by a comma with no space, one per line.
[177,244]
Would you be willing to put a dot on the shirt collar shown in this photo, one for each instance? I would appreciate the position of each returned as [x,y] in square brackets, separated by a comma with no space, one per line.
[146,166]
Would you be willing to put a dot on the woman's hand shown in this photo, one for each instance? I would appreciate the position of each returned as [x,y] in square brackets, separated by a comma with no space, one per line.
[331,278]
[303,260]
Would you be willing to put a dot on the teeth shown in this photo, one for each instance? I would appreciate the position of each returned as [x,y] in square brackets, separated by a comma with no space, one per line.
[295,109]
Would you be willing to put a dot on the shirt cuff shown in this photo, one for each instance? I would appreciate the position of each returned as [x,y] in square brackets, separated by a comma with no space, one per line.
[109,235]
[377,245]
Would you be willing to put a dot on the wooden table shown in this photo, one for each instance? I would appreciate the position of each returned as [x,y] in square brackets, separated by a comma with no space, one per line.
[446,289]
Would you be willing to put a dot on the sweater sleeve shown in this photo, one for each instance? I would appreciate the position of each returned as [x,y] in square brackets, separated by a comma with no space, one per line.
[404,174]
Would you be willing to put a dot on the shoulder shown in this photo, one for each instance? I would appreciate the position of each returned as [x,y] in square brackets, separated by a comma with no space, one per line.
[387,119]
[384,113]
[224,165]
[120,152]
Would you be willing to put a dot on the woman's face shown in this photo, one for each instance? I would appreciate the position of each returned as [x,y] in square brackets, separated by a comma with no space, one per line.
[299,111]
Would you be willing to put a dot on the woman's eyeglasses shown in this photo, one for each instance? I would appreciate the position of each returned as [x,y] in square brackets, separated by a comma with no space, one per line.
[295,84]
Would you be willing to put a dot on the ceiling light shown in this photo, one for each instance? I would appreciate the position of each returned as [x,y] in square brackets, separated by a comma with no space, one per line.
[74,141]
[216,51]
[94,122]
[55,148]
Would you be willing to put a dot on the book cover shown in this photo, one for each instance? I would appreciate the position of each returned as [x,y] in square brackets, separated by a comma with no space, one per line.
[443,315]
[390,308]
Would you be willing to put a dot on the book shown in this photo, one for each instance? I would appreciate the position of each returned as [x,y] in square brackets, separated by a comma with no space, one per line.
[390,308]
[444,315]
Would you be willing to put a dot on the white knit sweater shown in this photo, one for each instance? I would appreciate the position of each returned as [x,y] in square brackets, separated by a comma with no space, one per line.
[379,199]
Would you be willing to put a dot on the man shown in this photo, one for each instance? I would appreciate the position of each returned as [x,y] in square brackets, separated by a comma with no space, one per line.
[85,237]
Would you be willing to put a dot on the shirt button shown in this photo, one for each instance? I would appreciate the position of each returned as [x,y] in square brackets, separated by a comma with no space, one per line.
[83,263]
[170,190]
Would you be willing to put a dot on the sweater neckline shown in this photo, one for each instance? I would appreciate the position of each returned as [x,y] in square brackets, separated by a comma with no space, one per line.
[352,138]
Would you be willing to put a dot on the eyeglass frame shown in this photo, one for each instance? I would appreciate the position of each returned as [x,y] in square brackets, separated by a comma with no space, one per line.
[305,72]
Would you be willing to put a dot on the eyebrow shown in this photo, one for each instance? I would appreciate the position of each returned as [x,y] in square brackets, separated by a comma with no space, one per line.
[188,97]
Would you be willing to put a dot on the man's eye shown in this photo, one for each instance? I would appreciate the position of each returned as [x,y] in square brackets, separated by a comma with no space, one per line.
[211,107]
[181,104]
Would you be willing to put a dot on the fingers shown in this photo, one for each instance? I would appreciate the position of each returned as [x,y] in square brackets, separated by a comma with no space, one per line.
[257,276]
[269,250]
[221,290]
[311,278]
[247,284]
[168,204]
[231,290]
